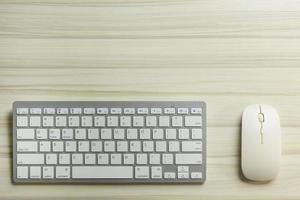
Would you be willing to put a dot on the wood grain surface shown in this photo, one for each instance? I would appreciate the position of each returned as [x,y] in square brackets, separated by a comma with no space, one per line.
[228,53]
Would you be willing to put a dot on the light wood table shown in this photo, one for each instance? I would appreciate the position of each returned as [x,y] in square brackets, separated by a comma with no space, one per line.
[228,53]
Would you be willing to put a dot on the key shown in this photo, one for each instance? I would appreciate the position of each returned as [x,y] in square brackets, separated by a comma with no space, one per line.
[77,159]
[170,133]
[183,175]
[122,146]
[64,159]
[196,133]
[115,159]
[86,121]
[90,159]
[183,169]
[141,159]
[62,111]
[131,134]
[158,134]
[49,111]
[164,121]
[48,121]
[193,121]
[169,175]
[26,146]
[35,172]
[184,133]
[70,146]
[99,121]
[83,146]
[156,172]
[51,159]
[106,133]
[142,111]
[112,121]
[102,111]
[174,146]
[45,146]
[93,134]
[54,134]
[62,172]
[48,172]
[35,121]
[24,134]
[144,134]
[22,172]
[22,121]
[30,159]
[80,133]
[177,121]
[22,111]
[35,111]
[57,146]
[196,110]
[154,159]
[167,159]
[41,134]
[125,121]
[67,134]
[183,111]
[102,159]
[89,111]
[75,111]
[104,172]
[109,146]
[196,175]
[119,133]
[135,146]
[190,146]
[151,121]
[128,159]
[169,110]
[161,146]
[138,121]
[186,158]
[129,111]
[142,172]
[155,111]
[61,121]
[96,146]
[73,121]
[148,146]
[115,111]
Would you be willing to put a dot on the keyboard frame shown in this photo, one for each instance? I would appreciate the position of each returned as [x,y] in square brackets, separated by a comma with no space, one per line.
[120,104]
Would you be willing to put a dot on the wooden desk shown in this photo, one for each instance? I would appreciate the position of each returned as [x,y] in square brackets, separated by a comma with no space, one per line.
[228,53]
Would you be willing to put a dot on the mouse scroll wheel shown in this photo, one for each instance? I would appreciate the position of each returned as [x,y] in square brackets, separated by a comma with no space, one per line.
[261,117]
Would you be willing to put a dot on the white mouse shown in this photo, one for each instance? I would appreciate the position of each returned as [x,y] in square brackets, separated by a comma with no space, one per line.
[261,143]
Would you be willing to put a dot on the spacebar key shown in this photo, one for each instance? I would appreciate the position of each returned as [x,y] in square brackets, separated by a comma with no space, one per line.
[102,172]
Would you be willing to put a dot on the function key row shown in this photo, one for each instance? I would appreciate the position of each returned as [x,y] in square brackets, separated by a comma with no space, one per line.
[103,111]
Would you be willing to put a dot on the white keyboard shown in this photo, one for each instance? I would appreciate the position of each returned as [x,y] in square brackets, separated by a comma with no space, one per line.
[109,142]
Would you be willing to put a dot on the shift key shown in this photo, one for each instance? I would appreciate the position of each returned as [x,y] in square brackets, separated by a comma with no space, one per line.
[188,158]
[30,158]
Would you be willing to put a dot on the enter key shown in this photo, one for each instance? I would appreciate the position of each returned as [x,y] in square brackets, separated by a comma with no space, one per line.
[191,146]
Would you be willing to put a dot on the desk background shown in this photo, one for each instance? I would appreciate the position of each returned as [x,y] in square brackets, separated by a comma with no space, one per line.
[228,53]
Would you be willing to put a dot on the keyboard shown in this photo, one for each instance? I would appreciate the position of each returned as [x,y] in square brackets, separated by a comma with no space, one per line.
[109,142]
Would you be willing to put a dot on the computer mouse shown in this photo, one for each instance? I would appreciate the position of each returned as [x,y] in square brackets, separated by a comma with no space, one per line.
[261,143]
